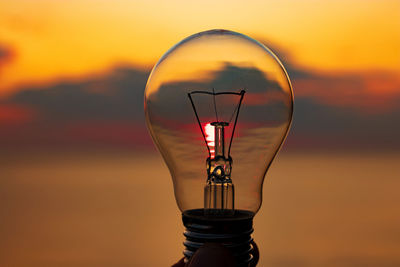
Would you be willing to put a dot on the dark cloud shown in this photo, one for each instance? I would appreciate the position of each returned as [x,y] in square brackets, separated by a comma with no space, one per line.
[228,79]
[94,111]
[7,54]
[117,96]
[316,125]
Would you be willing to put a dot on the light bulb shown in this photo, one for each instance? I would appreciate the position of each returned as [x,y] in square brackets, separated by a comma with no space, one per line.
[218,106]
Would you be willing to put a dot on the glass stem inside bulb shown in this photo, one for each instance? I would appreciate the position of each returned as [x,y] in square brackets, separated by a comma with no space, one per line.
[219,141]
[219,190]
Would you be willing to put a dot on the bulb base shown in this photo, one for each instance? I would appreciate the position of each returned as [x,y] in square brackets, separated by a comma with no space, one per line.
[232,231]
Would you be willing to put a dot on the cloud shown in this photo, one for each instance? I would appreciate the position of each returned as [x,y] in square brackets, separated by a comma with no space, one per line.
[227,79]
[371,92]
[100,111]
[117,95]
[335,111]
[357,91]
[7,54]
[317,125]
[16,114]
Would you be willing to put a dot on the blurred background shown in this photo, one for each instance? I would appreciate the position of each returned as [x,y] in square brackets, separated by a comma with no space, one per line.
[81,183]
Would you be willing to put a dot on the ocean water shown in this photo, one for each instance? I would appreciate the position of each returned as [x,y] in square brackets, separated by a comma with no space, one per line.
[117,209]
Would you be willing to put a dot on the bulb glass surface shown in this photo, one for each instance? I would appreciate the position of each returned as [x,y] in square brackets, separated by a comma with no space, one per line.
[219,85]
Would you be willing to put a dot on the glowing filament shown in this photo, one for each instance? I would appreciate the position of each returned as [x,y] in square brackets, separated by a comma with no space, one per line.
[210,138]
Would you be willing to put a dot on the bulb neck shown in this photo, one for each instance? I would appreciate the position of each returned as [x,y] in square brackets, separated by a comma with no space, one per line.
[219,190]
[232,231]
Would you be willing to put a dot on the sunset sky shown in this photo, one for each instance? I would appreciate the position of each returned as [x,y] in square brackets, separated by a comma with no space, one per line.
[83,185]
[340,54]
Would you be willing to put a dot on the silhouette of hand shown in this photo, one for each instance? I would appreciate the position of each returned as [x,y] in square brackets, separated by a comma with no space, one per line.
[214,255]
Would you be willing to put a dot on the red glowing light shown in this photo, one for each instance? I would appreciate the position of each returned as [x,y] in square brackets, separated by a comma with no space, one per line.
[210,138]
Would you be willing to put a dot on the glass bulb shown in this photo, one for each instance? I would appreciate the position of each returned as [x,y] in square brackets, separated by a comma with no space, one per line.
[218,106]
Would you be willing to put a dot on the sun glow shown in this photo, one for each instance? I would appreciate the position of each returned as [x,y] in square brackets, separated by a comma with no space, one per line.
[57,39]
[210,138]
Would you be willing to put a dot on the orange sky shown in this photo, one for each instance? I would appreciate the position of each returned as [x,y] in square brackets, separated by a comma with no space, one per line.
[58,39]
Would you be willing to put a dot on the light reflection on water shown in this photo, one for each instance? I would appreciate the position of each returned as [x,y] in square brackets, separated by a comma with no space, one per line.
[118,209]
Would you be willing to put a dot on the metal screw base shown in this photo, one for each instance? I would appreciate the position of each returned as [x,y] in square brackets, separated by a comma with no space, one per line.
[233,231]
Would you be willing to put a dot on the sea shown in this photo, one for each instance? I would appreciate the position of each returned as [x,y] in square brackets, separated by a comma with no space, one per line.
[106,208]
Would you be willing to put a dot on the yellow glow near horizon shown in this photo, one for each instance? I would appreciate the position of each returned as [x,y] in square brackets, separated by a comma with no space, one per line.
[54,39]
